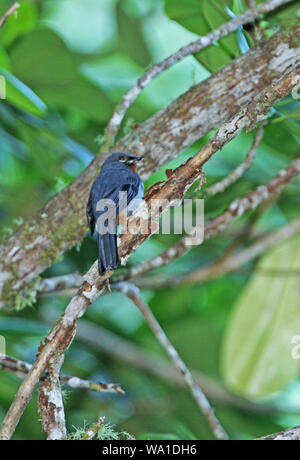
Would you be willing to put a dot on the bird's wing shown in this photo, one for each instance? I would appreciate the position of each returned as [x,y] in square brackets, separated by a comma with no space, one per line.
[111,186]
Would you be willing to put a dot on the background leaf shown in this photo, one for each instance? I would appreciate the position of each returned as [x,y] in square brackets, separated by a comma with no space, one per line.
[20,23]
[257,353]
[132,39]
[80,57]
[21,96]
[201,18]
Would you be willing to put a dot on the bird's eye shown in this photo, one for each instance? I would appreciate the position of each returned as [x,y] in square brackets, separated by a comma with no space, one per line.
[122,159]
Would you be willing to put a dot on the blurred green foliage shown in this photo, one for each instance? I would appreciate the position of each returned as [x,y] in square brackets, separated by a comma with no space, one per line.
[67,63]
[265,320]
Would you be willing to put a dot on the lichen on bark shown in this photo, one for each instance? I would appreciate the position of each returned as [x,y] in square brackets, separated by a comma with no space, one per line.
[61,224]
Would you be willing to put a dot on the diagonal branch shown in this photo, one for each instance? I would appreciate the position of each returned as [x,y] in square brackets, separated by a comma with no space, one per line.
[216,225]
[229,263]
[132,292]
[226,264]
[174,187]
[293,434]
[192,48]
[127,352]
[42,239]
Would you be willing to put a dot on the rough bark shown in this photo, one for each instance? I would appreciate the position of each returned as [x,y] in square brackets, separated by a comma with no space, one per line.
[173,188]
[51,406]
[42,240]
[292,434]
[192,48]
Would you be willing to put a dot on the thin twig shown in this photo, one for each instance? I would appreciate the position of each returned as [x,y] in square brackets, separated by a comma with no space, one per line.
[21,368]
[236,260]
[59,283]
[245,234]
[132,292]
[229,263]
[125,351]
[192,48]
[8,13]
[237,173]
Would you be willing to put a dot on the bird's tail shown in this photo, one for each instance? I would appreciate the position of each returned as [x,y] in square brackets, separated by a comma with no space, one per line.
[107,252]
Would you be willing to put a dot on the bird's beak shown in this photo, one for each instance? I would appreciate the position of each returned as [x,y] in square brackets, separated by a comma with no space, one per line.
[134,160]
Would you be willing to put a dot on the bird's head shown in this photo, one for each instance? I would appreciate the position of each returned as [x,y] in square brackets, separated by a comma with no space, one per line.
[122,158]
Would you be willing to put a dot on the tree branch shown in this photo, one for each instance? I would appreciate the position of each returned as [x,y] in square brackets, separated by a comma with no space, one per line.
[51,406]
[238,207]
[42,239]
[21,368]
[197,393]
[125,351]
[292,434]
[174,187]
[229,263]
[192,48]
[59,283]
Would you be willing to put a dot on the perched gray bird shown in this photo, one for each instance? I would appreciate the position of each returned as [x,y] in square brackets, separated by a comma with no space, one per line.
[118,174]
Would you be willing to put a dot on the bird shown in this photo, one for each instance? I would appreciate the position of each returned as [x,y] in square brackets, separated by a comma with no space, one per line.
[117,174]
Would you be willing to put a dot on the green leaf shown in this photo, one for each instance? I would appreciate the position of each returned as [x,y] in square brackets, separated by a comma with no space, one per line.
[216,15]
[191,15]
[44,62]
[213,58]
[132,41]
[4,59]
[293,127]
[257,350]
[287,12]
[295,113]
[18,94]
[81,95]
[21,23]
[42,58]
